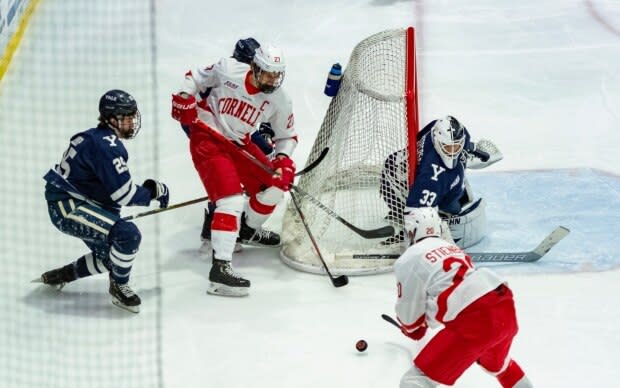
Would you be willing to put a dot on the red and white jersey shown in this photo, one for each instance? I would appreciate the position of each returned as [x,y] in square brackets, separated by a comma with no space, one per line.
[235,108]
[436,280]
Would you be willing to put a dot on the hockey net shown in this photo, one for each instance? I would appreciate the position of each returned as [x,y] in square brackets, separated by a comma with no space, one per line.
[373,116]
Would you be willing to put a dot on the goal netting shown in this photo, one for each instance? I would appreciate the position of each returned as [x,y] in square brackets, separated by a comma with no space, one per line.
[56,60]
[374,115]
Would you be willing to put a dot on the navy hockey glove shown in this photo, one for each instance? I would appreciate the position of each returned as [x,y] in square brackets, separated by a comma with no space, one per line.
[159,191]
[262,138]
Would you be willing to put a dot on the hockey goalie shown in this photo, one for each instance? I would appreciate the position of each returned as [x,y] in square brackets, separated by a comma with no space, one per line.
[444,151]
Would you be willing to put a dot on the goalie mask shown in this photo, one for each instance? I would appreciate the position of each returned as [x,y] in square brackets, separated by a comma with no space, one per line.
[268,68]
[448,139]
[422,222]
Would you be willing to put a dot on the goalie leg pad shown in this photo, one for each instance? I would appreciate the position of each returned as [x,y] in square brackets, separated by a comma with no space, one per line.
[469,226]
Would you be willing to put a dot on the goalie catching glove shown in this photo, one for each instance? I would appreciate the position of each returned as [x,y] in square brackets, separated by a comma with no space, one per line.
[184,108]
[482,153]
[159,191]
[284,168]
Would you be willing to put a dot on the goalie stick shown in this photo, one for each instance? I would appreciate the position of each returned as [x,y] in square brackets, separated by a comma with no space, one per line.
[385,231]
[491,257]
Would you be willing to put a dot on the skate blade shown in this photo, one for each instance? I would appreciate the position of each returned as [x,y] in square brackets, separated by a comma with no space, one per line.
[255,244]
[224,290]
[133,309]
[56,287]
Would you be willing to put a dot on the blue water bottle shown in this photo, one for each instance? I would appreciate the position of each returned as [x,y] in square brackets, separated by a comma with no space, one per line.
[333,80]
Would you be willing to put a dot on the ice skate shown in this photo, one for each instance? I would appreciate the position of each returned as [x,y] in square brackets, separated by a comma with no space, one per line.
[124,297]
[257,237]
[57,278]
[225,281]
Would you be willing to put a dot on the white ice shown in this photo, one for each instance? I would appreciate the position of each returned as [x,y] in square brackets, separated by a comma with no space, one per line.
[540,78]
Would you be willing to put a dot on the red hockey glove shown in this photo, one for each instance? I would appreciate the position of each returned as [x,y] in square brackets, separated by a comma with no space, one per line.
[417,333]
[285,168]
[184,109]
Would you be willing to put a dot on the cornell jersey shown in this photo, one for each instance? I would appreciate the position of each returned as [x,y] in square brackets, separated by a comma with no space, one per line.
[94,168]
[235,108]
[435,184]
[436,280]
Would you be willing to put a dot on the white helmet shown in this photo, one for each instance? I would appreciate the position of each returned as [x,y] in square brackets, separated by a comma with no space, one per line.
[268,59]
[449,139]
[422,222]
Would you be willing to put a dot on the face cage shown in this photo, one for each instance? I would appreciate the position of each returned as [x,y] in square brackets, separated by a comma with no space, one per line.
[135,127]
[266,88]
[455,148]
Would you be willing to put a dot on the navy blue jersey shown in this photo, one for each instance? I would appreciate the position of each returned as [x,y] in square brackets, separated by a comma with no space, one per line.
[94,168]
[434,183]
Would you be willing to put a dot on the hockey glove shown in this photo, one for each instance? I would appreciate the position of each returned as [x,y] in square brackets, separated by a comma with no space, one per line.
[184,109]
[285,172]
[415,334]
[262,138]
[266,131]
[473,150]
[159,191]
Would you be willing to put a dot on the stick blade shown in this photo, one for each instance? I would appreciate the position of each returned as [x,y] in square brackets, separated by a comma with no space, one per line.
[340,281]
[391,320]
[313,164]
[383,232]
[555,237]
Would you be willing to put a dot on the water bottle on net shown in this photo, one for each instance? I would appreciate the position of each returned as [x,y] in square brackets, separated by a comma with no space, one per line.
[333,80]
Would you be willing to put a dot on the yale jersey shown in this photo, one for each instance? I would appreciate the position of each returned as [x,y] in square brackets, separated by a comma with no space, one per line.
[435,184]
[94,168]
[436,280]
[235,108]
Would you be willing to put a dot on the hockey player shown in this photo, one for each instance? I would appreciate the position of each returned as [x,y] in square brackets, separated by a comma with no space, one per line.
[86,191]
[438,285]
[243,52]
[444,151]
[241,96]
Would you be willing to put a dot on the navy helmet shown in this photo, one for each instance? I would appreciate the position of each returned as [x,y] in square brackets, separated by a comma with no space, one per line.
[118,104]
[244,50]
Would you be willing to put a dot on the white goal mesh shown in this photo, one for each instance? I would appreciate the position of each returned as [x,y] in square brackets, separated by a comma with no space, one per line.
[373,116]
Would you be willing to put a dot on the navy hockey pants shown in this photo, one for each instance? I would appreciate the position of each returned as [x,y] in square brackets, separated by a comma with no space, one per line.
[113,242]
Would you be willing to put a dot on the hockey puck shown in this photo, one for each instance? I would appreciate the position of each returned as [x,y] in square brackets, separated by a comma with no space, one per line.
[361,345]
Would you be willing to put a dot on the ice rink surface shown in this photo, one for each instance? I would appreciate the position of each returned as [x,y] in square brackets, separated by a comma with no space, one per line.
[539,78]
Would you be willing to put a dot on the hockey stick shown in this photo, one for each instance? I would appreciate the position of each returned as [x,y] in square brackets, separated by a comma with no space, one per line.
[314,163]
[382,232]
[491,257]
[308,168]
[523,257]
[165,209]
[339,281]
[391,320]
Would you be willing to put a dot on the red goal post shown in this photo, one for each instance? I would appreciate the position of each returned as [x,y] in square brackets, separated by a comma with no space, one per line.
[374,115]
